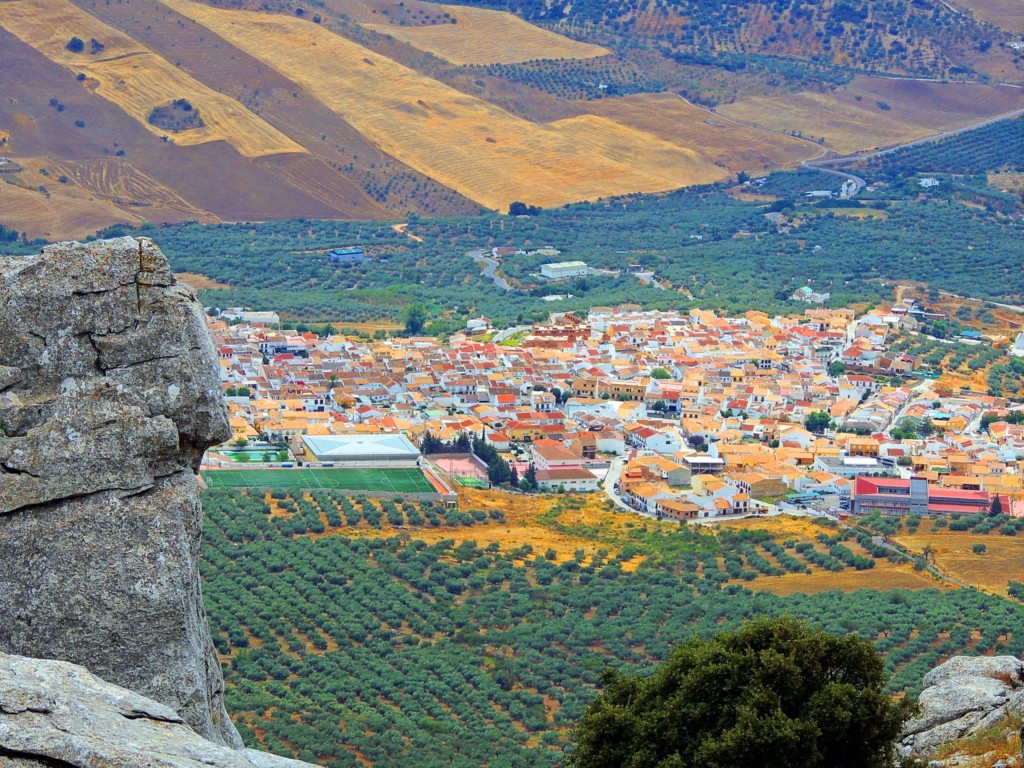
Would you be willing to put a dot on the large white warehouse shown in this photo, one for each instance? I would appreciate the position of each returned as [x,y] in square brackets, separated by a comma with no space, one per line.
[561,269]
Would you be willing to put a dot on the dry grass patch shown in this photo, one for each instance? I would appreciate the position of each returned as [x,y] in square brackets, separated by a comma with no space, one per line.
[1010,182]
[883,576]
[200,282]
[782,526]
[851,118]
[134,78]
[120,182]
[860,213]
[61,216]
[1005,14]
[473,146]
[674,119]
[369,326]
[480,36]
[525,524]
[1003,559]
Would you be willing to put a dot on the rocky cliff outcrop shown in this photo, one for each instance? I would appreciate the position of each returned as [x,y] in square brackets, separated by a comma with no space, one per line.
[109,395]
[962,697]
[57,714]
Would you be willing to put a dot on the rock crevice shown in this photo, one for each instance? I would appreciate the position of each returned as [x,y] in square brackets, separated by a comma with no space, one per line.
[964,696]
[109,394]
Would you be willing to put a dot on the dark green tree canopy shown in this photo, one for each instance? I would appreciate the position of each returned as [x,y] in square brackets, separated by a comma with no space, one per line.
[775,693]
[818,422]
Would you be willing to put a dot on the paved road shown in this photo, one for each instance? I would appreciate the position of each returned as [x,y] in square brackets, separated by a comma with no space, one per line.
[819,165]
[507,332]
[930,568]
[610,479]
[490,266]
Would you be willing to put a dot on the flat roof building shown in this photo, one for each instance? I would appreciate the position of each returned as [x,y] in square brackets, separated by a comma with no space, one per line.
[384,449]
[562,269]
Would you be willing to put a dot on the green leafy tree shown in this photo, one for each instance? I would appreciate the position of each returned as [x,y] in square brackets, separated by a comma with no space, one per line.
[774,693]
[836,369]
[415,317]
[661,373]
[818,422]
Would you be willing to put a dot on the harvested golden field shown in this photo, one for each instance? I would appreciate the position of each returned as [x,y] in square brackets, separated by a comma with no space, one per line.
[674,119]
[369,326]
[883,576]
[1003,559]
[852,118]
[529,520]
[200,282]
[61,216]
[1005,14]
[480,36]
[845,128]
[120,182]
[477,148]
[136,79]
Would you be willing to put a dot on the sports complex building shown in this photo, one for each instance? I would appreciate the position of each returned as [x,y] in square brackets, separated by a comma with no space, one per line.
[391,450]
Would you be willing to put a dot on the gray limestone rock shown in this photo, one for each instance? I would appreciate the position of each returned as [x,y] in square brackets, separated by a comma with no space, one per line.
[57,714]
[964,695]
[954,697]
[109,394]
[1010,669]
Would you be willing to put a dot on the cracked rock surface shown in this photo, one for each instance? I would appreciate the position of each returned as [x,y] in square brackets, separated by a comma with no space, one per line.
[109,394]
[963,696]
[57,714]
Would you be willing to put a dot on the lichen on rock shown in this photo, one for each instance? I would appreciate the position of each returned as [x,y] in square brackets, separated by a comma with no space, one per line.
[109,394]
[57,714]
[964,696]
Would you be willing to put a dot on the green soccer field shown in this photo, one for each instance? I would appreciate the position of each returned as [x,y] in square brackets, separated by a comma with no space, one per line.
[362,479]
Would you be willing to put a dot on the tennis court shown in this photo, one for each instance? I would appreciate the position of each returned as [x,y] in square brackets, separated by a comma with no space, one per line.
[401,480]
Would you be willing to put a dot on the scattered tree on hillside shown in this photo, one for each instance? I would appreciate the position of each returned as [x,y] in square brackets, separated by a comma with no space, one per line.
[522,209]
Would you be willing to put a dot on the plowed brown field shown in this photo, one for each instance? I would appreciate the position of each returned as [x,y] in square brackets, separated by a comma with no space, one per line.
[136,79]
